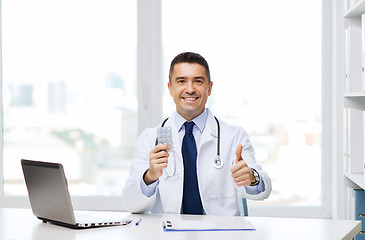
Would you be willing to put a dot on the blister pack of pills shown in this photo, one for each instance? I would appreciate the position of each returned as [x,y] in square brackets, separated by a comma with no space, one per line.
[164,136]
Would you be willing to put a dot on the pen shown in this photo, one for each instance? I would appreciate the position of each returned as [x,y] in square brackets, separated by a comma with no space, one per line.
[139,221]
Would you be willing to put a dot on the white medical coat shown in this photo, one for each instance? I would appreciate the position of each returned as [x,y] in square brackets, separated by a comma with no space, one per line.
[218,192]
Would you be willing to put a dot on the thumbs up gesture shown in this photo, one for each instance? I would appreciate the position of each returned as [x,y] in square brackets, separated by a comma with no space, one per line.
[242,175]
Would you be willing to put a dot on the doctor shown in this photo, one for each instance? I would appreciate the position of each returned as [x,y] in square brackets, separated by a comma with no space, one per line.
[186,179]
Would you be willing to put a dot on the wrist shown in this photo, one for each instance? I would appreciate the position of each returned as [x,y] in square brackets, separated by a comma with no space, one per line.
[147,178]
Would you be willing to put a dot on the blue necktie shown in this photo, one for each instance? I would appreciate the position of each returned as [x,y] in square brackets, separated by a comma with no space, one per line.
[192,203]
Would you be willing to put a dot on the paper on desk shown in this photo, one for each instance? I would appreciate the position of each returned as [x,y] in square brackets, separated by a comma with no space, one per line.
[206,225]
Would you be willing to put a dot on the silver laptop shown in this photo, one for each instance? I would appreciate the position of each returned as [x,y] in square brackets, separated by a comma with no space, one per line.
[51,201]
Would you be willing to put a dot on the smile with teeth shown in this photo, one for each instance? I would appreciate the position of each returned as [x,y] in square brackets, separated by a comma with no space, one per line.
[190,98]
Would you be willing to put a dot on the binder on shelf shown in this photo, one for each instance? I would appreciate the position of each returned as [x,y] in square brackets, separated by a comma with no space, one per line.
[354,140]
[363,51]
[353,55]
[360,210]
[363,143]
[346,139]
[349,4]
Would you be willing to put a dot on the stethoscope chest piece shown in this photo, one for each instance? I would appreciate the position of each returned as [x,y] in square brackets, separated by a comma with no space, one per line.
[218,163]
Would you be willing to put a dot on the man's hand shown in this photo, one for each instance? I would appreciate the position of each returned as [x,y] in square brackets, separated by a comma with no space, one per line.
[241,173]
[158,161]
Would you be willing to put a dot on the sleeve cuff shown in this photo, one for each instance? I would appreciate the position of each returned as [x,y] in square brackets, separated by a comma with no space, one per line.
[148,190]
[257,188]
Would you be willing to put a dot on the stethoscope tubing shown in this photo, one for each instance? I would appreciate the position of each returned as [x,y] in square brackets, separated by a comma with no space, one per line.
[219,135]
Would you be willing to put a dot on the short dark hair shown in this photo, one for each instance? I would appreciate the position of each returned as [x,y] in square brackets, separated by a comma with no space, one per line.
[189,57]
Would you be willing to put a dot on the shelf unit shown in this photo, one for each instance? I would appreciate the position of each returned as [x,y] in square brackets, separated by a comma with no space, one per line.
[354,108]
[354,101]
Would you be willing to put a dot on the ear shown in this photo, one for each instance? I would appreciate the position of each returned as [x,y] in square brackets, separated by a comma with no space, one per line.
[170,88]
[210,88]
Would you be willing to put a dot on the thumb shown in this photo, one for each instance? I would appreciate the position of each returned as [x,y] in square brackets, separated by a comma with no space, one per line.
[238,152]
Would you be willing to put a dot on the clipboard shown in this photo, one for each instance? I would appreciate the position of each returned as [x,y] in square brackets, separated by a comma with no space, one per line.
[207,225]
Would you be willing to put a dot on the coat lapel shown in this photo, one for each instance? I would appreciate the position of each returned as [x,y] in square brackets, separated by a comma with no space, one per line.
[210,132]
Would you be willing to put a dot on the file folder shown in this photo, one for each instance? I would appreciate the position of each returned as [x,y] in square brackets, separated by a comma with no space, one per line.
[202,225]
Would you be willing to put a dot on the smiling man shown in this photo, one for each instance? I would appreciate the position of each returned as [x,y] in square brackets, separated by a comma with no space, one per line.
[210,164]
[190,87]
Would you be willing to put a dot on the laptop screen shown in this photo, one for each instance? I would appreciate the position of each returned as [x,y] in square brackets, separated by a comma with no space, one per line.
[48,191]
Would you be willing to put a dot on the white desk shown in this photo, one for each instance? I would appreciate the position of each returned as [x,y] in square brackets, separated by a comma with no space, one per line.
[21,224]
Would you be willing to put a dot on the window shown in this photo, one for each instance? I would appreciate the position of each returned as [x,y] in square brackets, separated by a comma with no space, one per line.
[265,57]
[70,91]
[69,87]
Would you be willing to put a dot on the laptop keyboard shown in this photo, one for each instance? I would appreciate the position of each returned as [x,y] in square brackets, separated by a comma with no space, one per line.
[86,219]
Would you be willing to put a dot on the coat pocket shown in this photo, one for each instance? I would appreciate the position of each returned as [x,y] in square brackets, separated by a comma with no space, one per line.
[220,183]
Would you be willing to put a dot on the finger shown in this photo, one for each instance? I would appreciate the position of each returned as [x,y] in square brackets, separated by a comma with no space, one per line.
[240,175]
[156,167]
[240,169]
[239,165]
[160,147]
[159,158]
[159,161]
[243,183]
[160,154]
[239,152]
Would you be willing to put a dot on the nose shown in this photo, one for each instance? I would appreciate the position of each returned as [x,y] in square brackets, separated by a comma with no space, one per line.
[190,87]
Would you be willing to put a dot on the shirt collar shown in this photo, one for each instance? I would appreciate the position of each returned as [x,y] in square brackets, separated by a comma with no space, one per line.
[200,121]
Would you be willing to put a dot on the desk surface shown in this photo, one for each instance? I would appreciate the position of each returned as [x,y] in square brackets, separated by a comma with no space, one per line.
[22,224]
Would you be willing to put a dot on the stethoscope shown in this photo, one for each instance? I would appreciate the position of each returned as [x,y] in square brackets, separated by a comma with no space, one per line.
[217,162]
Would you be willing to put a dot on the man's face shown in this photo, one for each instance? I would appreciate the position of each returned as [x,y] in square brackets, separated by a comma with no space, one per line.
[190,89]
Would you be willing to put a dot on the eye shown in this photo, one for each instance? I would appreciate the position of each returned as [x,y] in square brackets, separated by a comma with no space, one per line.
[180,80]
